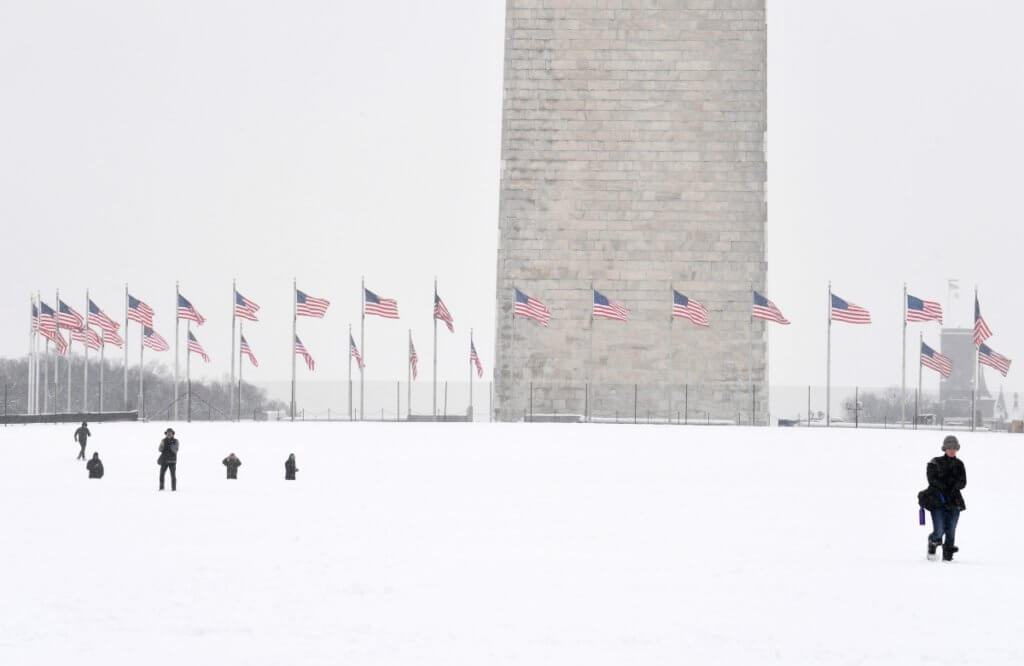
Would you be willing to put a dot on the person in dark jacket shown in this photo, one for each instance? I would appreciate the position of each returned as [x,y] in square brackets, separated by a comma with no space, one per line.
[232,463]
[95,467]
[947,476]
[290,468]
[168,459]
[82,435]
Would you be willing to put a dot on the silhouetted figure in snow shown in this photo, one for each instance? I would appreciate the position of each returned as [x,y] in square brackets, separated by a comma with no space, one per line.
[946,478]
[95,467]
[232,463]
[168,459]
[290,468]
[82,436]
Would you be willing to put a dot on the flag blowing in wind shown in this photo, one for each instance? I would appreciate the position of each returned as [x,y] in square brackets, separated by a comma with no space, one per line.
[382,307]
[687,308]
[475,360]
[531,308]
[244,348]
[413,358]
[608,309]
[67,317]
[98,317]
[154,340]
[993,360]
[848,312]
[300,349]
[936,361]
[765,309]
[245,308]
[307,306]
[186,311]
[441,312]
[139,311]
[88,336]
[981,330]
[921,310]
[195,347]
[354,352]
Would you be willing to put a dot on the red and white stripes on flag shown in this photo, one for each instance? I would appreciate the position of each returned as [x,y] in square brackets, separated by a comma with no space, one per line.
[112,338]
[993,360]
[382,307]
[195,348]
[139,312]
[300,349]
[531,308]
[413,358]
[245,308]
[936,361]
[307,306]
[48,328]
[919,309]
[981,330]
[848,312]
[765,309]
[244,348]
[67,317]
[98,317]
[186,311]
[441,312]
[688,308]
[475,360]
[605,308]
[88,336]
[354,352]
[154,340]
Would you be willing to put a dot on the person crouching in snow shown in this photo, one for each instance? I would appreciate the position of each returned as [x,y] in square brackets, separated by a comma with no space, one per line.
[232,463]
[95,467]
[947,476]
[290,468]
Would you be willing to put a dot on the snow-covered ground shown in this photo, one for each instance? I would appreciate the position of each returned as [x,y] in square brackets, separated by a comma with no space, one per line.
[504,544]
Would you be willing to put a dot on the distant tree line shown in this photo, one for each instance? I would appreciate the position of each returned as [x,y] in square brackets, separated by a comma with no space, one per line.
[211,400]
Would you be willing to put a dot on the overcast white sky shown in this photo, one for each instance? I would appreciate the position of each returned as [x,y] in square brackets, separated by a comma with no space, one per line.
[148,142]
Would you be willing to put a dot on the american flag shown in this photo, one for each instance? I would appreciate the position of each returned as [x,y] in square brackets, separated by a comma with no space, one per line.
[307,306]
[300,349]
[112,338]
[154,340]
[194,346]
[67,317]
[936,361]
[98,317]
[765,309]
[981,330]
[186,311]
[921,310]
[48,327]
[687,308]
[245,308]
[475,360]
[413,358]
[531,308]
[993,360]
[382,307]
[848,312]
[88,336]
[606,309]
[244,348]
[56,338]
[354,352]
[139,311]
[35,317]
[441,312]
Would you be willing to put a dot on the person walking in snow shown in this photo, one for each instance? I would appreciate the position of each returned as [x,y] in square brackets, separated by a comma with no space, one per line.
[95,466]
[82,436]
[168,459]
[232,463]
[947,476]
[290,468]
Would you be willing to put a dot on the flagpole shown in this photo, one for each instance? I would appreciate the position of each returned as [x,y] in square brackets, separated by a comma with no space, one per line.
[31,342]
[295,289]
[903,366]
[177,297]
[590,355]
[103,349]
[828,364]
[514,350]
[56,355]
[977,362]
[435,348]
[69,370]
[750,360]
[471,376]
[362,343]
[46,375]
[408,377]
[188,372]
[126,346]
[350,372]
[85,374]
[142,337]
[234,297]
[920,346]
[238,404]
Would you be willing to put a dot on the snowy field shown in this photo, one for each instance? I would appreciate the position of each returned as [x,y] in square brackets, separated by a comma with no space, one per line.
[504,544]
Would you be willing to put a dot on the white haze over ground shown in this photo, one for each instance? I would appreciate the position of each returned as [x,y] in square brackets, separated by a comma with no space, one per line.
[504,544]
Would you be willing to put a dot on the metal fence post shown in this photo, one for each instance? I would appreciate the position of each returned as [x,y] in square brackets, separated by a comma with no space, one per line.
[531,402]
[634,402]
[686,404]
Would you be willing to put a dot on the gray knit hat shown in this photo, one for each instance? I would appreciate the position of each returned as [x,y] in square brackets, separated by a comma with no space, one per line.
[950,443]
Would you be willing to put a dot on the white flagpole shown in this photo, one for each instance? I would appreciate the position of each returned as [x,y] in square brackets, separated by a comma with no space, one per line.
[188,371]
[295,288]
[408,377]
[231,397]
[56,356]
[435,348]
[350,372]
[125,407]
[750,359]
[828,364]
[69,372]
[977,365]
[671,304]
[903,365]
[590,354]
[920,365]
[31,355]
[238,411]
[103,349]
[85,374]
[362,344]
[142,338]
[177,295]
[471,377]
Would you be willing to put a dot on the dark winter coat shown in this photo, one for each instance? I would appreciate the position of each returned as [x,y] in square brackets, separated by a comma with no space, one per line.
[82,435]
[289,469]
[946,478]
[168,451]
[232,464]
[95,467]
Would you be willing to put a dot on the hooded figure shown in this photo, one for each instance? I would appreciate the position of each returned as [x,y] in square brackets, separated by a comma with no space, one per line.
[82,435]
[95,467]
[168,459]
[947,476]
[232,463]
[290,468]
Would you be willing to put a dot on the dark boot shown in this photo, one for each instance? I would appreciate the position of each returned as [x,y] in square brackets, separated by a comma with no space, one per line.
[932,546]
[947,553]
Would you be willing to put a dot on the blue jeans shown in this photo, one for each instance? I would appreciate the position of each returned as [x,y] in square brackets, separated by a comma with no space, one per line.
[944,522]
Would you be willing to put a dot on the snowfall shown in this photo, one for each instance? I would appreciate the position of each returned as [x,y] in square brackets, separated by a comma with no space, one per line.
[504,544]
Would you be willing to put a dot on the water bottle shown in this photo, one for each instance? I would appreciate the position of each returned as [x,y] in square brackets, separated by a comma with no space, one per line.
[920,516]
